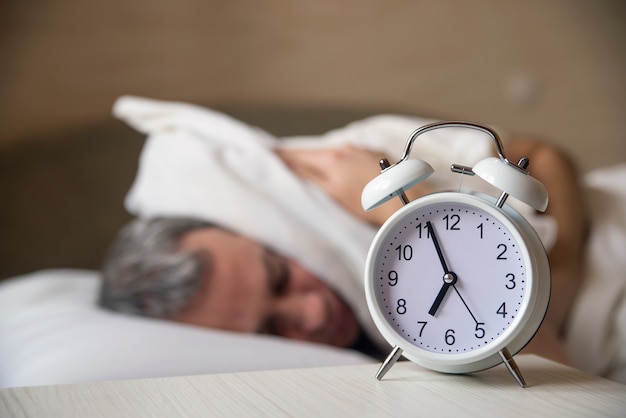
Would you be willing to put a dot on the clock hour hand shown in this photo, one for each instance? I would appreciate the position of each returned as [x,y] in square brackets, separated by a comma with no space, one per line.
[449,278]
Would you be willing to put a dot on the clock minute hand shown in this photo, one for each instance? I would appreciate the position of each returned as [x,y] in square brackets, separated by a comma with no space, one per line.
[431,231]
[449,278]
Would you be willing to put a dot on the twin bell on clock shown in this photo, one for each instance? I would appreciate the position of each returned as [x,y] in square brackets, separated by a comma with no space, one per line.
[457,282]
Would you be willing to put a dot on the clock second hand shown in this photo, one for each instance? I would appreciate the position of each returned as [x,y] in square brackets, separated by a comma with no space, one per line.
[467,307]
[449,278]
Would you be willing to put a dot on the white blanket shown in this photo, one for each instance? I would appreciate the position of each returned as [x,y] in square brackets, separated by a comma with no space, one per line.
[202,163]
[596,340]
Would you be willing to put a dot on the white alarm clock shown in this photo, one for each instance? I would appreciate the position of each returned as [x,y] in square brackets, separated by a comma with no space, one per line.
[457,282]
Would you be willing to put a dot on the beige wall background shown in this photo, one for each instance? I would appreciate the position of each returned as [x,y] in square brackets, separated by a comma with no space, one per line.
[553,68]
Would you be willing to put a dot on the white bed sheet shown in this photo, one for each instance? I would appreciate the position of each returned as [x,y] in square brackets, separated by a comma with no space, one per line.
[52,332]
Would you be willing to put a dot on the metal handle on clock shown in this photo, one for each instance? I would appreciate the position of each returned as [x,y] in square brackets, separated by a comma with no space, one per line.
[453,124]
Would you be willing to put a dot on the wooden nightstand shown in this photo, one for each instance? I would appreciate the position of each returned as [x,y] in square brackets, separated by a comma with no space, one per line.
[350,391]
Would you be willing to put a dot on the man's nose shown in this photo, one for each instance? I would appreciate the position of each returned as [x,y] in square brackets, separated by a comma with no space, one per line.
[302,314]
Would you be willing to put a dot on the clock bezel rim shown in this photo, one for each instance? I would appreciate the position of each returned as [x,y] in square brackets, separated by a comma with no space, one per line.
[530,316]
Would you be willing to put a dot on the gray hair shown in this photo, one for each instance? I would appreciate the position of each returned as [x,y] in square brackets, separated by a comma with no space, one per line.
[144,273]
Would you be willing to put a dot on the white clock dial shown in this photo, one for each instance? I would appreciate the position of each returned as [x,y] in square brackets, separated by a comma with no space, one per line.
[450,276]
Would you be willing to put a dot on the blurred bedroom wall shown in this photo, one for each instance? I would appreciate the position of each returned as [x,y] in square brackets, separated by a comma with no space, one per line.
[549,68]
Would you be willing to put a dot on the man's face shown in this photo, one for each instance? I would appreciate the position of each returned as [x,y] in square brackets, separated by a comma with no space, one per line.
[248,288]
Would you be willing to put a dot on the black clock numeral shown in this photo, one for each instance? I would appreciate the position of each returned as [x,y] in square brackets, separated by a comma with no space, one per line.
[503,249]
[480,331]
[511,283]
[393,278]
[405,252]
[480,229]
[450,340]
[502,310]
[422,227]
[401,308]
[423,324]
[452,222]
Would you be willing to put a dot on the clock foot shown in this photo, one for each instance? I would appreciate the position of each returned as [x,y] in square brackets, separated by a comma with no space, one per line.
[389,362]
[512,366]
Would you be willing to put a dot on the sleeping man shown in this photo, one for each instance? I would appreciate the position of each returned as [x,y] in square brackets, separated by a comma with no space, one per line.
[237,232]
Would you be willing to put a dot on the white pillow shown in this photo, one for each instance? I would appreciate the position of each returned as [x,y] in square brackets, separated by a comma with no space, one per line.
[52,332]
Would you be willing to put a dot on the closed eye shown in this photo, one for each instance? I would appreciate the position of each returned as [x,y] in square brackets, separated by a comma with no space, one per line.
[277,273]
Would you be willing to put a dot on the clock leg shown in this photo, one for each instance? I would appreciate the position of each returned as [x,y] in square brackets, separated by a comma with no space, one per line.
[389,361]
[512,366]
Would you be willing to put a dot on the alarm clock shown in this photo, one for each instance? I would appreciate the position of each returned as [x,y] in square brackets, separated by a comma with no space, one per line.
[457,282]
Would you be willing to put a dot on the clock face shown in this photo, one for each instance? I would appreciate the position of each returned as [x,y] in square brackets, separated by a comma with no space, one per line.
[449,276]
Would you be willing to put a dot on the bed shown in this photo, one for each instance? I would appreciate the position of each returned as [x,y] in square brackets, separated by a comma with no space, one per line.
[71,184]
[53,333]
